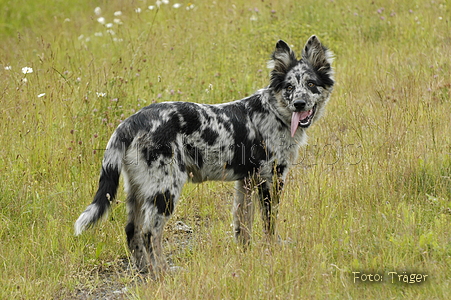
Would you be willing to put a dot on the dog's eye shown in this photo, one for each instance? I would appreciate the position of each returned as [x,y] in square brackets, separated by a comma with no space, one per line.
[290,88]
[311,84]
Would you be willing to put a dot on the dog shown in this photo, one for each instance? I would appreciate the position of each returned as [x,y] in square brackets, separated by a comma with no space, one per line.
[252,141]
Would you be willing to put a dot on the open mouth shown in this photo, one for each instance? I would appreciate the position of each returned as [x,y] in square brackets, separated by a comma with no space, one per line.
[302,119]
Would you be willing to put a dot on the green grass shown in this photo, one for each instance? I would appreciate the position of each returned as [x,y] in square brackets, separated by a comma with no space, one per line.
[371,194]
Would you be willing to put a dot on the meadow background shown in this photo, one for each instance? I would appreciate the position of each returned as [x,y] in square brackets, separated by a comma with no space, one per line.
[371,192]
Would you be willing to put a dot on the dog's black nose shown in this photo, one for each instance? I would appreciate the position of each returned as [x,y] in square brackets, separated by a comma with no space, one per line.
[299,104]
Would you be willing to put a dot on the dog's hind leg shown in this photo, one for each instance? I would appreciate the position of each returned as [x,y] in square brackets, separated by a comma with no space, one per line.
[153,235]
[158,205]
[144,230]
[133,230]
[243,211]
[152,196]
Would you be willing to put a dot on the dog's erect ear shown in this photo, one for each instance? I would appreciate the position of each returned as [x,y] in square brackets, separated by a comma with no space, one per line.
[281,46]
[282,60]
[319,57]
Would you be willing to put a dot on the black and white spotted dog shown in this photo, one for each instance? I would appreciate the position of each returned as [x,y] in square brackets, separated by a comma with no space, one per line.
[252,141]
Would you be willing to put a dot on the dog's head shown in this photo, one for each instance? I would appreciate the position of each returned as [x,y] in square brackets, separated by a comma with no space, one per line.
[302,87]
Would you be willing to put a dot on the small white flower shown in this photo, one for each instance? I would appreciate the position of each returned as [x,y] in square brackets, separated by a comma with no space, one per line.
[66,20]
[176,5]
[117,13]
[138,10]
[111,32]
[165,1]
[27,70]
[101,20]
[109,25]
[98,11]
[158,3]
[254,18]
[7,68]
[117,21]
[100,94]
[98,34]
[41,95]
[190,6]
[24,80]
[151,7]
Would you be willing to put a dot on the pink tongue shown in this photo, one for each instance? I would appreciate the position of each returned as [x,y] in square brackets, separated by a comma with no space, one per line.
[295,118]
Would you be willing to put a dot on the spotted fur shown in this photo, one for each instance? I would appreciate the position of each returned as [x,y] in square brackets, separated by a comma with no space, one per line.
[165,145]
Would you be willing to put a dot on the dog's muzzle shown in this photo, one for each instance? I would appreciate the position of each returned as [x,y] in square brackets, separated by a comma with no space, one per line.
[301,118]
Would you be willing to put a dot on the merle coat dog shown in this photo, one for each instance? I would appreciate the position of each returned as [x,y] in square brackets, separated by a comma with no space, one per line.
[252,141]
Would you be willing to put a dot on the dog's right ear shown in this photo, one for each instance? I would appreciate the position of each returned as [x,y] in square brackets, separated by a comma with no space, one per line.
[320,58]
[282,46]
[282,60]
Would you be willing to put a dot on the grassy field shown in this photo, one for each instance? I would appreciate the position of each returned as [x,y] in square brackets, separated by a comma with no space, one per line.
[371,192]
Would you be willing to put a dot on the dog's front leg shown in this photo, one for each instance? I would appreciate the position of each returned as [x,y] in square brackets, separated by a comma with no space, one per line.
[243,212]
[269,195]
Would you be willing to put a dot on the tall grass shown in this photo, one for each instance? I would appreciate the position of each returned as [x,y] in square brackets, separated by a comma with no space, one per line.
[371,192]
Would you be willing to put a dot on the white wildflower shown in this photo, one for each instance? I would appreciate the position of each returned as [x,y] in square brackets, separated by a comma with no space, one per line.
[98,11]
[101,20]
[7,68]
[176,5]
[41,95]
[27,70]
[100,94]
[117,13]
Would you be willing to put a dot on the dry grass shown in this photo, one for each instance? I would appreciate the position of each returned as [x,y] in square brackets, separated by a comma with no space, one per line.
[371,194]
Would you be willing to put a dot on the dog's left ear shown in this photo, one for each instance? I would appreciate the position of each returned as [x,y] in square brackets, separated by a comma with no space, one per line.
[319,56]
